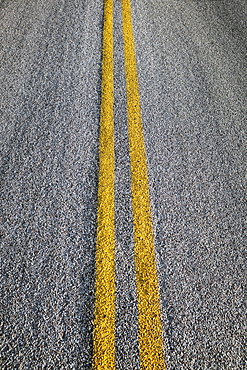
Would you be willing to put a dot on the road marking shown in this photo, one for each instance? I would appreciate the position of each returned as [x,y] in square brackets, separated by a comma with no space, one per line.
[104,315]
[149,318]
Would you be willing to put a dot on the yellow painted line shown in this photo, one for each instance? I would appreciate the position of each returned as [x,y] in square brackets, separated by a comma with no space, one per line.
[104,315]
[149,317]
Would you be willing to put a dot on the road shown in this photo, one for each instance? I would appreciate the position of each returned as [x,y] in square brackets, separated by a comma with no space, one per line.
[191,64]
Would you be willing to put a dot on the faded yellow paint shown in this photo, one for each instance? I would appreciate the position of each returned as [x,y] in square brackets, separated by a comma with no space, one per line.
[149,314]
[104,315]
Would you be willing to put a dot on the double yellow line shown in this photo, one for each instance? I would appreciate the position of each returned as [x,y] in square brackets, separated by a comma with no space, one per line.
[149,319]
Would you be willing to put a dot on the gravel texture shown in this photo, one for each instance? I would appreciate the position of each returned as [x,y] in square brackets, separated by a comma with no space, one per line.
[50,95]
[191,58]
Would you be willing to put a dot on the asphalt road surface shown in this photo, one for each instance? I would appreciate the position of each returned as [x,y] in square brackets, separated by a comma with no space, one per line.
[191,64]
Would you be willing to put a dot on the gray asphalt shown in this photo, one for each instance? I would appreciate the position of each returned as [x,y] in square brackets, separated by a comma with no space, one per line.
[191,58]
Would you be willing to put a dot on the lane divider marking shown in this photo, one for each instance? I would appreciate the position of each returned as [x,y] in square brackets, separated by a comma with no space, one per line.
[149,312]
[105,294]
